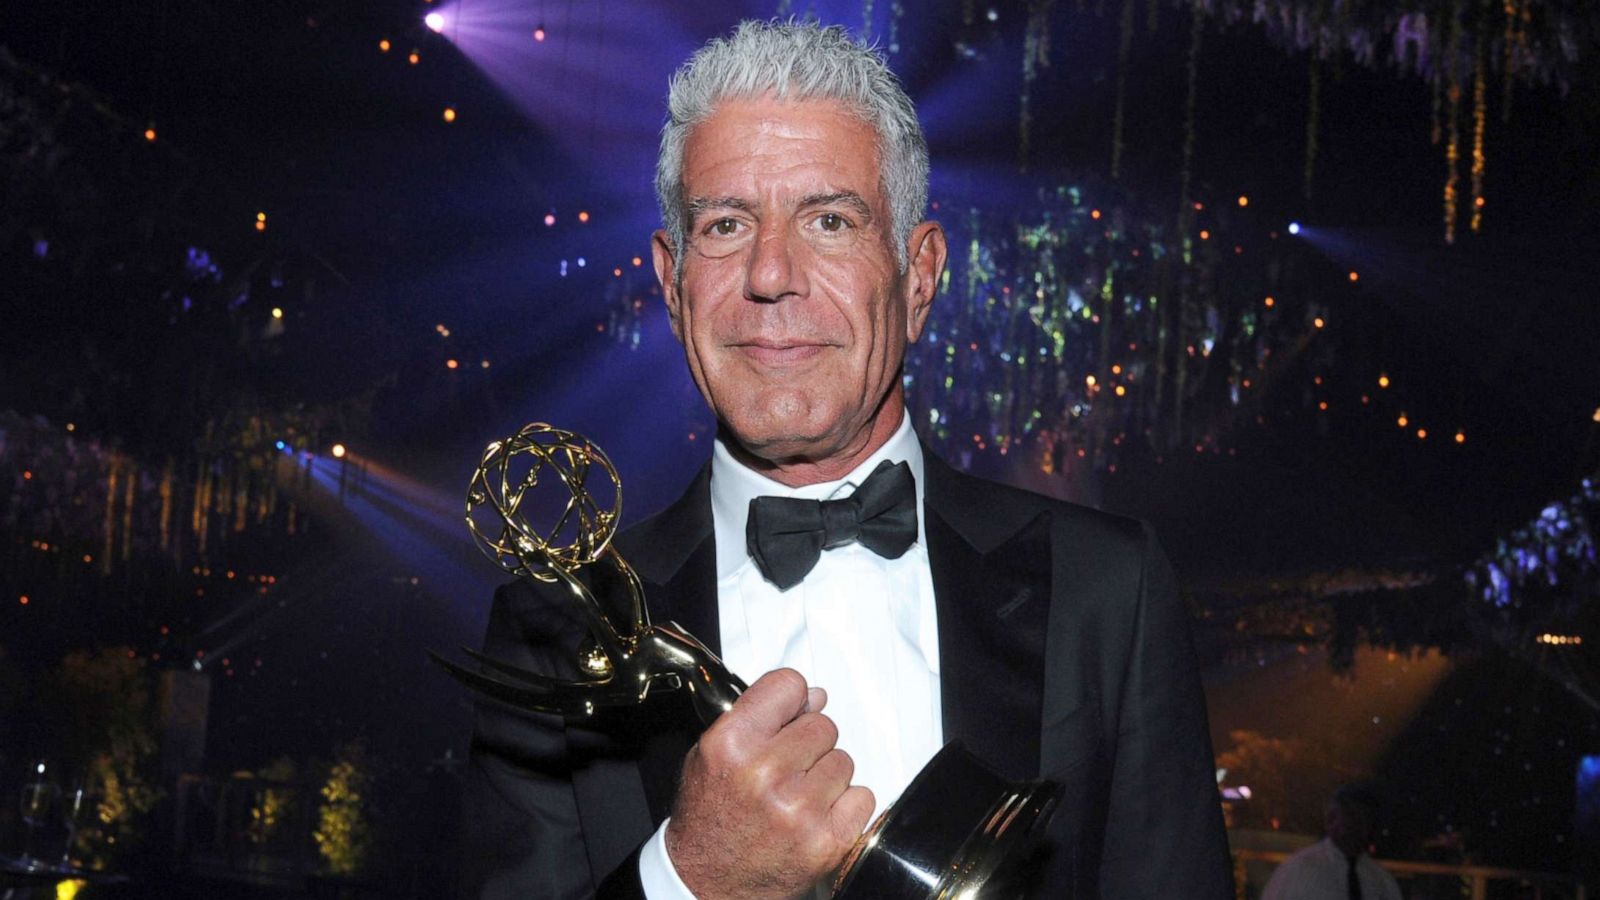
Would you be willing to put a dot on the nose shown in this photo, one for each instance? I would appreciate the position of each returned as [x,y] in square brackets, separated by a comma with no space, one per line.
[773,271]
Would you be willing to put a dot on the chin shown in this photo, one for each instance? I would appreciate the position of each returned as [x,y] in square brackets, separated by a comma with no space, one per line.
[781,439]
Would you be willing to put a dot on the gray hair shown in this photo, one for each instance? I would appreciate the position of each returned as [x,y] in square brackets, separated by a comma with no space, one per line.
[801,61]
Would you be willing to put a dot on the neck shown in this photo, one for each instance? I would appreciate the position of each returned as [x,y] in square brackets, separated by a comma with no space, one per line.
[798,471]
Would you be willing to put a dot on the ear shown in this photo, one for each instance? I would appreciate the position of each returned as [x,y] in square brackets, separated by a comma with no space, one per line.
[667,274]
[925,252]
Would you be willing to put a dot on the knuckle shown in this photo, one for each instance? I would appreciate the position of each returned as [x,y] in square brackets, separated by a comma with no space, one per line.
[787,681]
[843,762]
[763,777]
[825,729]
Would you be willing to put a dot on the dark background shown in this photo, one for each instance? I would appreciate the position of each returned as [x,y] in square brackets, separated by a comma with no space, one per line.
[387,226]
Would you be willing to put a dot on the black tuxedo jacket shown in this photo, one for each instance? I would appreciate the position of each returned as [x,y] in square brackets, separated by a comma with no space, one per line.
[1064,653]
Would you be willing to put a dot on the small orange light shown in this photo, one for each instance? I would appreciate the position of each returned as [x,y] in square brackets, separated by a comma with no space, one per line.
[1270,302]
[1094,214]
[637,261]
[1243,200]
[1205,235]
[1383,382]
[1422,434]
[1478,202]
[27,475]
[1355,276]
[1323,406]
[414,58]
[23,600]
[583,215]
[384,45]
[150,135]
[1121,390]
[1318,322]
[1089,380]
[449,114]
[1403,421]
[338,453]
[261,226]
[1461,437]
[617,272]
[450,364]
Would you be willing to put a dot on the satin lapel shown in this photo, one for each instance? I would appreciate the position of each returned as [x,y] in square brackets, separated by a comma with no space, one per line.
[992,608]
[675,556]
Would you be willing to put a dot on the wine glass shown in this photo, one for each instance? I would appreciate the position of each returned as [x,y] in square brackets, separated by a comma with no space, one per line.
[71,809]
[37,796]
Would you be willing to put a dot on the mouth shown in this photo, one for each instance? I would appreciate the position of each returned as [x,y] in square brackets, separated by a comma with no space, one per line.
[779,352]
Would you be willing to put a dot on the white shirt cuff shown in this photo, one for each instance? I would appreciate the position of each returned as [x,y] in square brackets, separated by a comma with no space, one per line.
[656,874]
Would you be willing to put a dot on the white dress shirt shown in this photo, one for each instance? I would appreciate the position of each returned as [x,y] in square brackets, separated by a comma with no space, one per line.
[1322,872]
[859,626]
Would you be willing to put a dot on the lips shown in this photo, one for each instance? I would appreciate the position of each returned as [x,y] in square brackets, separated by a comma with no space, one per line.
[772,352]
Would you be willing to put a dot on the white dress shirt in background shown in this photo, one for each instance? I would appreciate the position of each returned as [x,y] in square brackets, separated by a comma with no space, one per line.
[1321,872]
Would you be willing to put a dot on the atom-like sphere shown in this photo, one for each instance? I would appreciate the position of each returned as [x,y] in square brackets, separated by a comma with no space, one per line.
[545,472]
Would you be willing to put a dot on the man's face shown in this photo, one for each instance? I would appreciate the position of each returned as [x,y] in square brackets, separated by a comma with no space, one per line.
[1349,826]
[790,307]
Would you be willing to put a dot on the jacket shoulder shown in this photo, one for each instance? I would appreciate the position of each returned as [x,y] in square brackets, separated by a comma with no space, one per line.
[988,512]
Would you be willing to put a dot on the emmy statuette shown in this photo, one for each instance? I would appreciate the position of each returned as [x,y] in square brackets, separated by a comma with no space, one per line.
[957,832]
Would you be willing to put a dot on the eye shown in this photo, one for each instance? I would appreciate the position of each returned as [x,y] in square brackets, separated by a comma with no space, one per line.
[832,222]
[725,227]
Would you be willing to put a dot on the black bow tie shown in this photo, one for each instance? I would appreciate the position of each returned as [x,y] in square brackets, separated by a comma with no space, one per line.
[786,536]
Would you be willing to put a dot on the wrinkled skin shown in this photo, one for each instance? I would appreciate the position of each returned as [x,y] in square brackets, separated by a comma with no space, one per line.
[792,312]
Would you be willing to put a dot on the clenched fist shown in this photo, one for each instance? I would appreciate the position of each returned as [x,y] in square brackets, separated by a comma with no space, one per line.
[766,807]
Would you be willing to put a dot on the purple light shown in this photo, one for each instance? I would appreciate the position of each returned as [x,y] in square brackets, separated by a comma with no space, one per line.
[434,21]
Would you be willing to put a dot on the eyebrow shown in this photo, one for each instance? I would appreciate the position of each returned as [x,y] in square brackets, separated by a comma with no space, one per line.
[698,205]
[848,198]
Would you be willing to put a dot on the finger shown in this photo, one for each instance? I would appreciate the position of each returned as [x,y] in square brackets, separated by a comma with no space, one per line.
[799,745]
[816,699]
[830,775]
[851,813]
[772,702]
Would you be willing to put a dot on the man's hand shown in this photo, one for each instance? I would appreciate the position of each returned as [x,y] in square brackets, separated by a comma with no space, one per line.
[766,807]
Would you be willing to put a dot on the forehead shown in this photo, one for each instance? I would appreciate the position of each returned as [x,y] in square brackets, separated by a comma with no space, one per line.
[749,147]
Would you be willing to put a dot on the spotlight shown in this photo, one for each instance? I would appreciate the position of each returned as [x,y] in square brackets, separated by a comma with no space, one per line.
[338,451]
[538,33]
[434,21]
[549,219]
[1294,227]
[280,445]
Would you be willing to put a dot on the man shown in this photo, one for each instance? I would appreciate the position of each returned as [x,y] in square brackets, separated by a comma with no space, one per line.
[1337,867]
[796,267]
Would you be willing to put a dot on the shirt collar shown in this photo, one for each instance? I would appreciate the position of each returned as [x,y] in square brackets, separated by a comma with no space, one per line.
[734,485]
